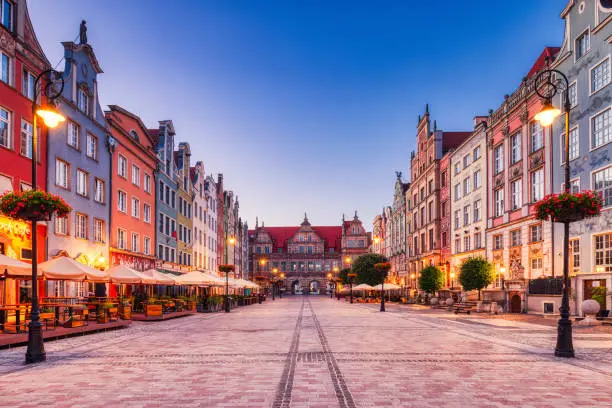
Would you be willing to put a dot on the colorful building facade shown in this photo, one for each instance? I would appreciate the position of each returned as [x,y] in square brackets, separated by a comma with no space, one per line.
[185,205]
[132,177]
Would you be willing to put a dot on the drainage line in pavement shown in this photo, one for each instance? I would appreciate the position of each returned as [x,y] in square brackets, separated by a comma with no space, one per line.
[285,386]
[345,398]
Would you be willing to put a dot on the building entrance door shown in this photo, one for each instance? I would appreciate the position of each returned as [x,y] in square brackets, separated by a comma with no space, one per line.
[515,304]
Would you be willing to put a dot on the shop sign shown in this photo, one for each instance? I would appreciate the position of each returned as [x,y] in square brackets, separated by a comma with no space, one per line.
[15,228]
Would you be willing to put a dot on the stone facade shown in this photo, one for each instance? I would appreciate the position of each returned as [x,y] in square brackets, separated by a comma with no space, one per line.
[585,59]
[397,226]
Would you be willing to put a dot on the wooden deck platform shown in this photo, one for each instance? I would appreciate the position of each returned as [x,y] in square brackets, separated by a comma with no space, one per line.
[172,315]
[8,340]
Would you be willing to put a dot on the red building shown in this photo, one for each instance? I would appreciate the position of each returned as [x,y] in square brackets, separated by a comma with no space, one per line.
[132,228]
[21,61]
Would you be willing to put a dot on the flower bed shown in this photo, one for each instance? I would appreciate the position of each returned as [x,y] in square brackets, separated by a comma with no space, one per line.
[569,207]
[33,205]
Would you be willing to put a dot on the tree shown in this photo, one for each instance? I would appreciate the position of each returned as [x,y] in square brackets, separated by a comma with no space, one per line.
[431,279]
[343,275]
[476,274]
[365,270]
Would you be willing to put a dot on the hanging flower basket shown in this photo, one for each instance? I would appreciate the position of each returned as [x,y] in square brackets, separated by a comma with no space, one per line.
[226,268]
[33,205]
[569,207]
[260,278]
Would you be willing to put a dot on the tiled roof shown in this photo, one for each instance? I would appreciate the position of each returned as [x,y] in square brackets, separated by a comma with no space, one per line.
[280,235]
[550,53]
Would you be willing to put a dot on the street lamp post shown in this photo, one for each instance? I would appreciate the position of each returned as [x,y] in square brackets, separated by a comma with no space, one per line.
[226,304]
[281,280]
[350,277]
[53,89]
[331,285]
[452,276]
[273,282]
[546,88]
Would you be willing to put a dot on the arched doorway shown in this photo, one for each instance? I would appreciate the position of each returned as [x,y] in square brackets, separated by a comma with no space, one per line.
[313,287]
[296,288]
[515,304]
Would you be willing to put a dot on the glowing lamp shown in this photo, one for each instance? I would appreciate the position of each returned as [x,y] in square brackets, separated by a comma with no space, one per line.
[547,115]
[50,115]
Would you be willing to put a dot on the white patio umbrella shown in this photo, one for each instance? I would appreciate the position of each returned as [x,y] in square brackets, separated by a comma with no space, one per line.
[160,278]
[216,280]
[388,286]
[14,268]
[127,275]
[196,278]
[65,268]
[363,286]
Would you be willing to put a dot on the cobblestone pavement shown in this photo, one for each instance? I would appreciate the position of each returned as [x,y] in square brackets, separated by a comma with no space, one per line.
[315,352]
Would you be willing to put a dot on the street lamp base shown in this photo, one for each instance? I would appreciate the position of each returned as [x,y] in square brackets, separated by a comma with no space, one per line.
[227,305]
[36,348]
[564,347]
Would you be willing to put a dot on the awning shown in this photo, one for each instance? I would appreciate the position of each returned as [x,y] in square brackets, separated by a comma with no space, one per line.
[363,286]
[65,268]
[14,268]
[388,286]
[160,278]
[127,275]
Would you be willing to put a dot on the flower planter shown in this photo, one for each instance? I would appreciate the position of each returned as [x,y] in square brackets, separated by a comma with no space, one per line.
[33,205]
[125,312]
[569,207]
[102,317]
[191,306]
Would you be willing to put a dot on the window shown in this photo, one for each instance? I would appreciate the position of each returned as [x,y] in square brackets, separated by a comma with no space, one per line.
[466,161]
[466,215]
[26,139]
[515,237]
[574,186]
[603,251]
[5,123]
[476,153]
[477,180]
[457,168]
[458,245]
[602,183]
[535,233]
[477,240]
[600,75]
[73,134]
[122,166]
[477,210]
[444,240]
[81,226]
[422,193]
[499,202]
[99,190]
[573,95]
[135,207]
[583,44]
[146,210]
[498,242]
[457,218]
[83,101]
[466,243]
[537,185]
[430,187]
[25,186]
[516,189]
[5,68]
[82,183]
[467,186]
[574,146]
[61,225]
[575,254]
[92,147]
[430,212]
[147,183]
[98,230]
[600,129]
[537,136]
[135,175]
[135,242]
[27,84]
[62,172]
[515,148]
[121,238]
[122,201]
[443,207]
[536,266]
[457,191]
[7,14]
[147,246]
[498,155]
[443,178]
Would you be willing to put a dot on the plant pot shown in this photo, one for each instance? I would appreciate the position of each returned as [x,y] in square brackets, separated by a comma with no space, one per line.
[102,317]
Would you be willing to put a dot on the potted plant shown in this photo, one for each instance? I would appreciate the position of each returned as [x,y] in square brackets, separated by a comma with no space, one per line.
[33,205]
[47,313]
[569,207]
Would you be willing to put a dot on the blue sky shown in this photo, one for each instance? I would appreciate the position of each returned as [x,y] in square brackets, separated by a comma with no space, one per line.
[311,105]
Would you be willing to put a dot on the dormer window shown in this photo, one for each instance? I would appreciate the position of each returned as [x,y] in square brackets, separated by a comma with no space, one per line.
[134,135]
[83,101]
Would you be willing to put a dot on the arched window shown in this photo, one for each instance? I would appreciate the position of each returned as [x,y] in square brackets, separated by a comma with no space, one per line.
[134,135]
